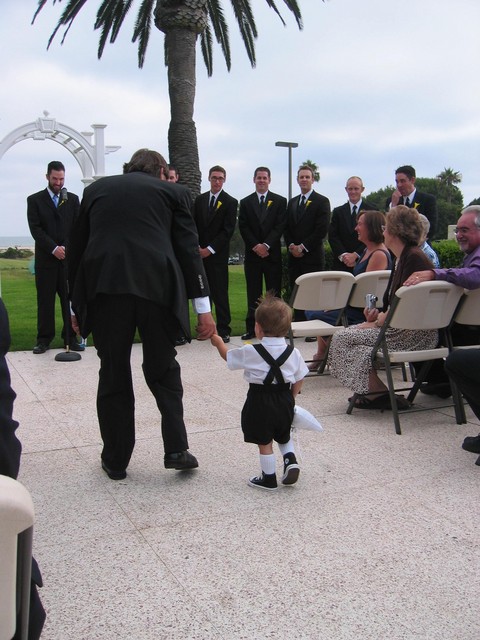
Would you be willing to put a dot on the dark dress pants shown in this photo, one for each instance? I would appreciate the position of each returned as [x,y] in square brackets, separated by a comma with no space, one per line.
[255,272]
[463,366]
[51,281]
[115,319]
[217,276]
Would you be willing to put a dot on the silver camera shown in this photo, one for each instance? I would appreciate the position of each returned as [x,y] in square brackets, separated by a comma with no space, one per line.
[371,301]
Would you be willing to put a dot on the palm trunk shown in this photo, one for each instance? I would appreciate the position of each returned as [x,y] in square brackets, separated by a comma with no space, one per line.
[182,134]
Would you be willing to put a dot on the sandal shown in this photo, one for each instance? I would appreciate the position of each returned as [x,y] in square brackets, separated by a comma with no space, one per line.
[315,363]
[381,402]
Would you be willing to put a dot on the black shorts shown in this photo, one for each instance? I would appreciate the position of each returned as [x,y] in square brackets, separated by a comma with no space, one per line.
[268,413]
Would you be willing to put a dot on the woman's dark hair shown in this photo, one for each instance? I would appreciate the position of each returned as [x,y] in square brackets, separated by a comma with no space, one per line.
[374,222]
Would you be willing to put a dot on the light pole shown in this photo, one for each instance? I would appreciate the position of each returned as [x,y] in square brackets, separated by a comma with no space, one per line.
[290,146]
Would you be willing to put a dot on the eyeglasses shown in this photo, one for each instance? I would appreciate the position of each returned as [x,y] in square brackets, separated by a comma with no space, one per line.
[217,178]
[463,230]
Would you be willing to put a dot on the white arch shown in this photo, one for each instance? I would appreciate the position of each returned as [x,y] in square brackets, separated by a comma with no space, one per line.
[90,156]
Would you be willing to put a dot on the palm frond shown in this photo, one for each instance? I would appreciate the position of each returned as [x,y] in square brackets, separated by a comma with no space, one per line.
[220,28]
[246,24]
[66,19]
[110,17]
[143,25]
[292,5]
[206,48]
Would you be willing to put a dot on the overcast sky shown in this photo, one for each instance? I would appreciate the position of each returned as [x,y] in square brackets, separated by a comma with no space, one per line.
[367,85]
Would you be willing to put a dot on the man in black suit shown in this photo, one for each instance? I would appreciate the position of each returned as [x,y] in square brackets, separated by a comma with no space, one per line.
[10,451]
[343,238]
[51,214]
[261,222]
[134,263]
[308,217]
[407,194]
[215,214]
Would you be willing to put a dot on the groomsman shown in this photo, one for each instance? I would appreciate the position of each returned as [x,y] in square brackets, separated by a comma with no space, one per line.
[308,217]
[215,214]
[343,238]
[261,222]
[406,193]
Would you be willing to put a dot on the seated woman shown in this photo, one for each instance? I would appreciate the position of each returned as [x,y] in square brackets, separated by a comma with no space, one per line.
[375,257]
[350,356]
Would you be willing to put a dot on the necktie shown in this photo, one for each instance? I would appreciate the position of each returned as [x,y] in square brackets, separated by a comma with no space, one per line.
[212,203]
[301,207]
[354,212]
[407,202]
[262,201]
[55,199]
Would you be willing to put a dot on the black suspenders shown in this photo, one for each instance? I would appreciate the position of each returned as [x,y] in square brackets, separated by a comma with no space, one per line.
[275,372]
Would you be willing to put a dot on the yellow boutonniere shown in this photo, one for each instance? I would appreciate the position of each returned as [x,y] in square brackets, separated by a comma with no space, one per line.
[219,204]
[308,202]
[269,203]
[416,205]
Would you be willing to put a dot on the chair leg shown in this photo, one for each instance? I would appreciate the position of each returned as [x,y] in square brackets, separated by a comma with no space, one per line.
[393,399]
[460,415]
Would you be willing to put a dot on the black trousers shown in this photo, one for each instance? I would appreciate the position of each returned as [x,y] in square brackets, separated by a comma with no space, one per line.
[51,282]
[255,272]
[463,366]
[115,319]
[217,276]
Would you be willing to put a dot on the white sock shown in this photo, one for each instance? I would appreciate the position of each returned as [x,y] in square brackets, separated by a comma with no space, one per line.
[287,448]
[267,463]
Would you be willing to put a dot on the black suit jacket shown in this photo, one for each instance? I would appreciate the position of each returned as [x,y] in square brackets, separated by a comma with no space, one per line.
[341,233]
[267,230]
[215,230]
[427,204]
[311,229]
[135,235]
[50,226]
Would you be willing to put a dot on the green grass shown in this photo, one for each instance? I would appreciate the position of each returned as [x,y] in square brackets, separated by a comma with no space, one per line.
[20,298]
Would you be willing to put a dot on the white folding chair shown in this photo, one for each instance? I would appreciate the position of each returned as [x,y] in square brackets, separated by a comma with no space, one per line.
[16,532]
[320,290]
[428,305]
[370,282]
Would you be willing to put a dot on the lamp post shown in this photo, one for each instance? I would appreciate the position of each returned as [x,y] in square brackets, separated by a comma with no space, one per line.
[290,146]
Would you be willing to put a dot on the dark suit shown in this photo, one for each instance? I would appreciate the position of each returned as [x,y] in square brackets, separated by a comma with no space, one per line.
[50,227]
[424,203]
[10,450]
[261,227]
[133,262]
[308,227]
[342,235]
[215,229]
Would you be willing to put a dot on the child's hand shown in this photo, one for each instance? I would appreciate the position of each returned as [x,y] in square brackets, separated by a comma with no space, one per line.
[216,340]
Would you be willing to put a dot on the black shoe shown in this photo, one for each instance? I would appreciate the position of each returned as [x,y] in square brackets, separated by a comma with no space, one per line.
[179,342]
[291,470]
[179,461]
[266,481]
[114,475]
[248,336]
[225,338]
[442,390]
[41,347]
[478,461]
[76,346]
[311,339]
[472,443]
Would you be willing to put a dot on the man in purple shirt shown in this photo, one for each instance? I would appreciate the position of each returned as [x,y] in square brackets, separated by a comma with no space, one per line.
[467,276]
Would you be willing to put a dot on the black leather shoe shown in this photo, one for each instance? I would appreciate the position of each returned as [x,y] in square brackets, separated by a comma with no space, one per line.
[442,389]
[478,461]
[179,342]
[114,475]
[225,338]
[311,339]
[40,348]
[248,336]
[76,346]
[472,443]
[179,461]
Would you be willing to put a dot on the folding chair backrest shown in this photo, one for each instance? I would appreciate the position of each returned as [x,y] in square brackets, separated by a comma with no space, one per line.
[322,290]
[428,305]
[469,308]
[371,282]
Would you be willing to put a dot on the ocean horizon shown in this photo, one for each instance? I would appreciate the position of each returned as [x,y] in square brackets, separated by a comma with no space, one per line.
[16,241]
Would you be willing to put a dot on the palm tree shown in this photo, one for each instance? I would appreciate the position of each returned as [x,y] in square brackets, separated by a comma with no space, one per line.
[449,179]
[182,21]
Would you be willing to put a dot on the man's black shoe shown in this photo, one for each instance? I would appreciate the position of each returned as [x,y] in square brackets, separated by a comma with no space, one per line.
[311,339]
[478,461]
[76,346]
[472,443]
[40,348]
[442,389]
[179,342]
[225,338]
[114,475]
[248,336]
[181,460]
